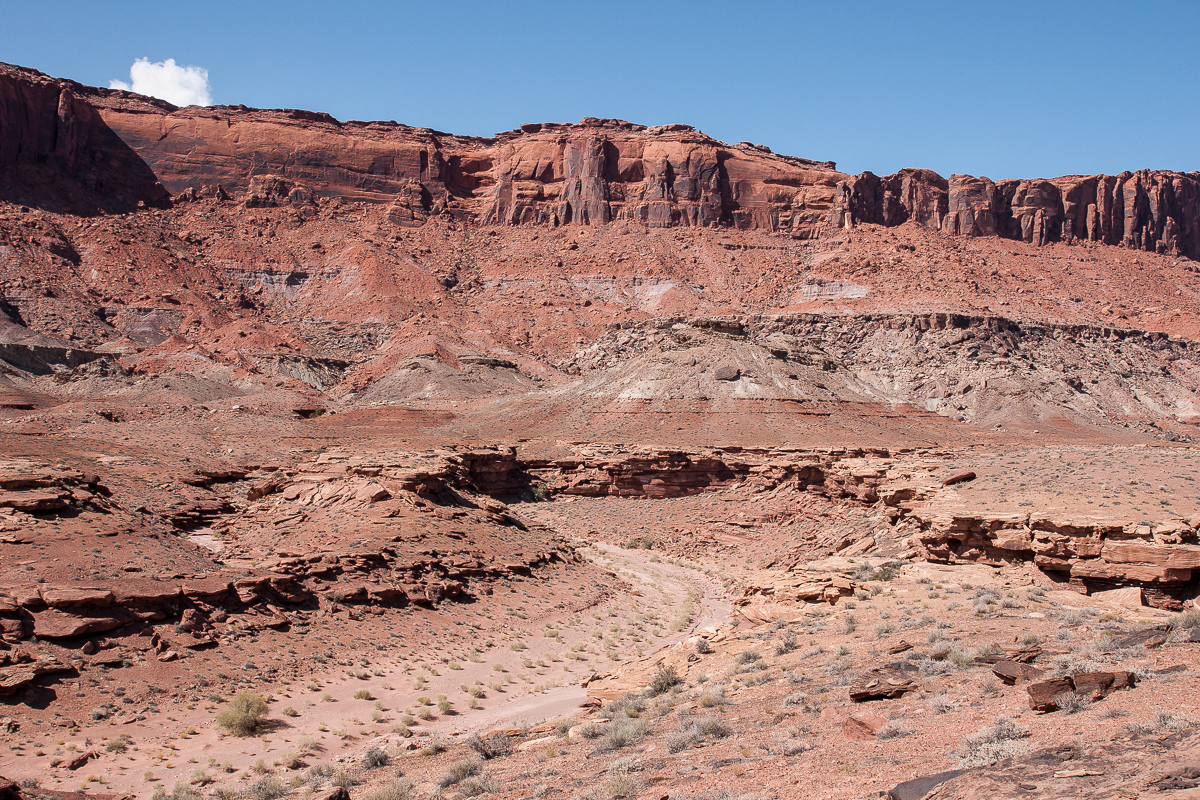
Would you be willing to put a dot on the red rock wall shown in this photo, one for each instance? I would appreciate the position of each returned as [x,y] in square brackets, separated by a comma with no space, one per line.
[56,151]
[594,173]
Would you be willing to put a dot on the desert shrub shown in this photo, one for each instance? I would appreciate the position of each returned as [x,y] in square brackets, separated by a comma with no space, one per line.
[266,788]
[940,704]
[1165,721]
[712,727]
[960,658]
[1075,616]
[748,657]
[679,741]
[245,715]
[362,694]
[757,678]
[1004,740]
[459,771]
[664,679]
[489,747]
[591,730]
[893,730]
[623,778]
[1188,619]
[703,647]
[713,697]
[786,642]
[621,733]
[117,746]
[375,758]
[401,789]
[884,572]
[629,705]
[1072,702]
[288,711]
[477,785]
[180,792]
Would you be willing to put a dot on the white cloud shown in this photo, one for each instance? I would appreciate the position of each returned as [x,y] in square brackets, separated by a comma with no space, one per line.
[166,80]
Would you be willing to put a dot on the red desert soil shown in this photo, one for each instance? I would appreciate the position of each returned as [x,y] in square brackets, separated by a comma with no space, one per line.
[591,461]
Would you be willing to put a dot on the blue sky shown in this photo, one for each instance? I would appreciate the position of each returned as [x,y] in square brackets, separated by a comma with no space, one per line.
[1003,89]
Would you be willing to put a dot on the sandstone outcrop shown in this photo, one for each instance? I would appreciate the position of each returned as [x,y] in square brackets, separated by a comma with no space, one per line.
[1092,554]
[58,151]
[591,173]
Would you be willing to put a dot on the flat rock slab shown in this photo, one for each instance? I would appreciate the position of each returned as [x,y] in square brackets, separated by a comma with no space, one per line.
[54,623]
[144,591]
[1149,638]
[1014,672]
[1129,597]
[881,684]
[920,787]
[210,589]
[32,502]
[959,477]
[77,596]
[1021,655]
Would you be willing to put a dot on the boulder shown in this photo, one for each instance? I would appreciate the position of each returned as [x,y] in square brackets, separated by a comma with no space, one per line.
[727,373]
[1098,685]
[79,760]
[863,726]
[192,620]
[1043,695]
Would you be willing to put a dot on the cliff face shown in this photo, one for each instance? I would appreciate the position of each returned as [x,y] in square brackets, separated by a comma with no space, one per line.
[593,173]
[57,151]
[1144,210]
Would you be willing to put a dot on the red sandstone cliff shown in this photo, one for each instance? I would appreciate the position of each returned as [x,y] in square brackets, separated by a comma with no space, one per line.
[592,173]
[56,151]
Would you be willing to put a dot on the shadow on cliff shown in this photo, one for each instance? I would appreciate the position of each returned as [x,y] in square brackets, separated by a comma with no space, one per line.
[58,154]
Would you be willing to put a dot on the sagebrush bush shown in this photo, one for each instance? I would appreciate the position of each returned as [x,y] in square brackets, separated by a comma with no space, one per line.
[1004,740]
[621,733]
[401,789]
[492,746]
[664,679]
[245,715]
[459,771]
[375,758]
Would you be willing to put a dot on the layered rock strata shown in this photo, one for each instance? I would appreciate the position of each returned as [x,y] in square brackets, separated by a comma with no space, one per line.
[593,173]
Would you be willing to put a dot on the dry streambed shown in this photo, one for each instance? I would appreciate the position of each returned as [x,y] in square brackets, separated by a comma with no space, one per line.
[523,673]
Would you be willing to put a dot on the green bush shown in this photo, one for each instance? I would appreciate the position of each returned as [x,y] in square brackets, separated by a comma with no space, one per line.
[664,679]
[246,715]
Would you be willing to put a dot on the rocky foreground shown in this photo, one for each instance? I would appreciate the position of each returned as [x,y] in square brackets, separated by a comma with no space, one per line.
[356,460]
